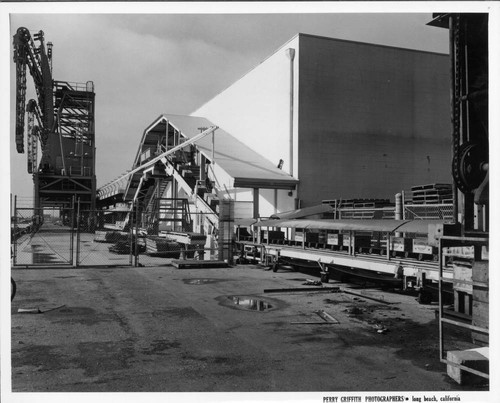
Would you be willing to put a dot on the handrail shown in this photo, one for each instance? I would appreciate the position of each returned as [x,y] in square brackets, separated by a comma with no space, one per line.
[165,154]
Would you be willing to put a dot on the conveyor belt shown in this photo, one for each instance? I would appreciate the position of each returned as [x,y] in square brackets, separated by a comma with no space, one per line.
[374,263]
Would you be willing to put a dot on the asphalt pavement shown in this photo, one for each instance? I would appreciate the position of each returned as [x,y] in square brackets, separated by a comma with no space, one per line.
[162,329]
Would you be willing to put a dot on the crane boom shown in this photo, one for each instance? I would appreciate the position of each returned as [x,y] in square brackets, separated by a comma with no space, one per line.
[38,60]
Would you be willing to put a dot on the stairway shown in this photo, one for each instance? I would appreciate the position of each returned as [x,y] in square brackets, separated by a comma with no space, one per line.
[187,177]
[151,202]
[173,215]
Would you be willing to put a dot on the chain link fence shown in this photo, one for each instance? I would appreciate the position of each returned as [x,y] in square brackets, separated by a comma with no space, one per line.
[429,212]
[42,236]
[103,238]
[66,236]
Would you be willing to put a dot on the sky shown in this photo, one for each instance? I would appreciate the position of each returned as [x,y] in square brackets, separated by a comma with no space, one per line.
[143,65]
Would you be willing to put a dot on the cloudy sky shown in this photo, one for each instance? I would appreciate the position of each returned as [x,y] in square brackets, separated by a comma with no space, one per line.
[143,65]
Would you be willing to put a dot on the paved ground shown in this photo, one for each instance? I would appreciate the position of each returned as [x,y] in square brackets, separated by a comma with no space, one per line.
[165,329]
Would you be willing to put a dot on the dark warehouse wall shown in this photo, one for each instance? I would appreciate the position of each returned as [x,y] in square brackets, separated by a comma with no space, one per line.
[373,120]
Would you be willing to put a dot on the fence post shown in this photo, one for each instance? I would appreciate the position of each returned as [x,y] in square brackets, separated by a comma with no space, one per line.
[136,235]
[77,233]
[72,231]
[14,235]
[131,233]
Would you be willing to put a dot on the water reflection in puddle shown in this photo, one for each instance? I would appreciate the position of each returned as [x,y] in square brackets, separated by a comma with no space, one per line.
[198,281]
[251,304]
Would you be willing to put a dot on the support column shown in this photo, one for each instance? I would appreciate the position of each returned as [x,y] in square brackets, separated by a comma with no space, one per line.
[255,203]
[398,212]
[291,55]
[202,168]
[275,201]
[36,191]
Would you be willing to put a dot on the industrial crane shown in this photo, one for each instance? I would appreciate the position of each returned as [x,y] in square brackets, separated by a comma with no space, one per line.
[26,53]
[469,115]
[61,120]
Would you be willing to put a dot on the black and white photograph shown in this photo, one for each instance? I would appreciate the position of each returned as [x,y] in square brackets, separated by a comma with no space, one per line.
[224,201]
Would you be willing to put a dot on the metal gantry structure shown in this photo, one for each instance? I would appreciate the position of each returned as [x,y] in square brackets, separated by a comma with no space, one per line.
[468,36]
[60,123]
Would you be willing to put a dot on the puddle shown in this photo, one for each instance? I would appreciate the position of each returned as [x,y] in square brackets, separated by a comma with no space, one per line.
[198,281]
[247,303]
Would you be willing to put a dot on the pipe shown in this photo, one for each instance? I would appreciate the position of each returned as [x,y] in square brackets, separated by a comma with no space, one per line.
[398,208]
[398,212]
[291,55]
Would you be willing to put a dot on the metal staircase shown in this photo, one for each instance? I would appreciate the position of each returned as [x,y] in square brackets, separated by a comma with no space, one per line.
[165,165]
[151,212]
[173,215]
[187,178]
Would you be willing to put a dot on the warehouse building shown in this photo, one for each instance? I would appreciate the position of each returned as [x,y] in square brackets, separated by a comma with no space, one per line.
[348,119]
[330,118]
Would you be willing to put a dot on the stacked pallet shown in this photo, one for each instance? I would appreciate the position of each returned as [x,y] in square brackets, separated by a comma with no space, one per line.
[436,193]
[358,214]
[162,247]
[371,203]
[110,236]
[123,247]
[480,301]
[358,203]
[360,208]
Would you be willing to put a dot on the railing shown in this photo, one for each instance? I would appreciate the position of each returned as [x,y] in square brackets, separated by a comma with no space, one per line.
[73,86]
[145,155]
[78,171]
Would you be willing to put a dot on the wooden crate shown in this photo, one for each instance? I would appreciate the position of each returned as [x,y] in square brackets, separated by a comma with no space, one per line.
[480,305]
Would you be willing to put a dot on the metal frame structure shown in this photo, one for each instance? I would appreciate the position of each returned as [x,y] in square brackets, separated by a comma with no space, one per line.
[469,67]
[459,241]
[62,122]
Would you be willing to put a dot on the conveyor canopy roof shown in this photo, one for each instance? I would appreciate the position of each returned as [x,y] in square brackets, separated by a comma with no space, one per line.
[248,168]
[304,212]
[406,226]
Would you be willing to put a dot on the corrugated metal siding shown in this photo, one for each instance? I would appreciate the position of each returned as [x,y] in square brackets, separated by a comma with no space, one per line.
[372,120]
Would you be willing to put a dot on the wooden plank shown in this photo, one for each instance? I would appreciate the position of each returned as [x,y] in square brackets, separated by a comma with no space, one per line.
[480,271]
[462,277]
[467,304]
[480,318]
[362,295]
[434,192]
[432,186]
[199,264]
[314,323]
[480,313]
[301,289]
[480,295]
[326,317]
